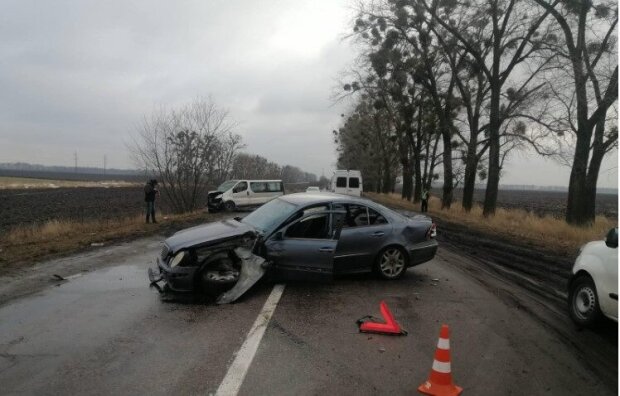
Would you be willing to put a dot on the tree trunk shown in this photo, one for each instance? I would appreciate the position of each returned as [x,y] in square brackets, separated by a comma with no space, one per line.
[471,167]
[417,194]
[416,152]
[405,162]
[576,212]
[386,185]
[598,152]
[448,176]
[490,196]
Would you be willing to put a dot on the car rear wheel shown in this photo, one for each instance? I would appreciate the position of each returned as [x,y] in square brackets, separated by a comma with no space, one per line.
[583,302]
[391,263]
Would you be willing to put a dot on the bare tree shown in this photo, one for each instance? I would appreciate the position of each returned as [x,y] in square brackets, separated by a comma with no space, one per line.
[511,29]
[587,55]
[188,148]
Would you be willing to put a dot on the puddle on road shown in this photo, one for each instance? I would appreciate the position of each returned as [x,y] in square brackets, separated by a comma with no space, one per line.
[108,279]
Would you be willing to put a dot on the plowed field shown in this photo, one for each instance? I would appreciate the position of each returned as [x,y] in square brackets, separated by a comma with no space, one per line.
[27,206]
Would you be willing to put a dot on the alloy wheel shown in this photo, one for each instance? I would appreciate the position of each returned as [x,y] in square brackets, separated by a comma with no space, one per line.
[392,263]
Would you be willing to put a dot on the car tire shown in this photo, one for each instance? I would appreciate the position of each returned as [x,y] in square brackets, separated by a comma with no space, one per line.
[229,206]
[583,302]
[209,283]
[391,263]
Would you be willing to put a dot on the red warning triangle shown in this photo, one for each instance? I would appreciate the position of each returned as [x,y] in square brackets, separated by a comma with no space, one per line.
[389,327]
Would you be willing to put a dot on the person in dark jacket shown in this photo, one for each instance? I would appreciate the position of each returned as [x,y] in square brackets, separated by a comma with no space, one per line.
[150,194]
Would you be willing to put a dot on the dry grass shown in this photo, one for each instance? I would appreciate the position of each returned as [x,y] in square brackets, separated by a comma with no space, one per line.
[514,224]
[10,183]
[27,244]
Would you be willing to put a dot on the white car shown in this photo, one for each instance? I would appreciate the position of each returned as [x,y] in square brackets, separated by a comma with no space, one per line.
[593,288]
[313,189]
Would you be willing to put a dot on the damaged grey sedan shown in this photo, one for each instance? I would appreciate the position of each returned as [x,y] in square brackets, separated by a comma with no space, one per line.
[306,236]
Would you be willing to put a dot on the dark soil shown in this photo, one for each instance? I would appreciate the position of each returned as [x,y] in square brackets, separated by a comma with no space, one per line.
[29,206]
[542,202]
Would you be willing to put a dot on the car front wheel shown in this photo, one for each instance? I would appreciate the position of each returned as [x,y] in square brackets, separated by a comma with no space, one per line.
[583,302]
[229,206]
[391,263]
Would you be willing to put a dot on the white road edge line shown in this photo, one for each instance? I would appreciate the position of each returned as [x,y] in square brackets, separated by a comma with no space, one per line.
[238,369]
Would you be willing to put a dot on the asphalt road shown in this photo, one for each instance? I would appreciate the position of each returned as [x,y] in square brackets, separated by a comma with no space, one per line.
[105,332]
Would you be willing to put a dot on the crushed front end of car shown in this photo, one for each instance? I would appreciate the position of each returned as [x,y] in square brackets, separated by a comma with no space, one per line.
[216,260]
[214,201]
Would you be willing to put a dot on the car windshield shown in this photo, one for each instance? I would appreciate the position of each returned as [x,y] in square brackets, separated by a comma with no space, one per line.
[227,185]
[269,215]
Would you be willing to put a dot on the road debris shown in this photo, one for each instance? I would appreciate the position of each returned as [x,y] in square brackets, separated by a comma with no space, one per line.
[66,278]
[96,244]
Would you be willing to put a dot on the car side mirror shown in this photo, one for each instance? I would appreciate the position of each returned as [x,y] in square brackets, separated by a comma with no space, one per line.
[278,236]
[612,238]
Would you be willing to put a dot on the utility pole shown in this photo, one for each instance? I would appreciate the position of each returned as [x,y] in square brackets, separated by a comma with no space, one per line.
[75,158]
[105,163]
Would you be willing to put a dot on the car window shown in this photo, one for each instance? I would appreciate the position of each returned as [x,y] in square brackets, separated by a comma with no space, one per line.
[341,182]
[258,187]
[270,215]
[227,185]
[313,227]
[356,216]
[242,186]
[375,217]
[354,182]
[307,211]
[274,186]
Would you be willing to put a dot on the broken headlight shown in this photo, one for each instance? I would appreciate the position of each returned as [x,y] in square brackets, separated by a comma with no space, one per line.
[177,259]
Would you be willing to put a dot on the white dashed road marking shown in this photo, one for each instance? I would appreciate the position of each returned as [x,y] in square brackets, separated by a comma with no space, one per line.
[238,369]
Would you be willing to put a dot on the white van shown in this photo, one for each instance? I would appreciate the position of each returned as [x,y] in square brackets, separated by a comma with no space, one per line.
[347,182]
[242,193]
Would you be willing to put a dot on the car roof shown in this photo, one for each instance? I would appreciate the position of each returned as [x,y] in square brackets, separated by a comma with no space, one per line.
[303,199]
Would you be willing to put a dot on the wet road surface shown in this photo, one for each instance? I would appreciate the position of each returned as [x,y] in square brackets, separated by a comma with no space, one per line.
[106,332]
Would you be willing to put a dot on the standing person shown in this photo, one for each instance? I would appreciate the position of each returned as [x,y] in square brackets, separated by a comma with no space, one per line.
[150,193]
[425,196]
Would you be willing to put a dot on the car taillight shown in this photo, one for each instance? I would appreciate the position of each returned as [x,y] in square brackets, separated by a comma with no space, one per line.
[432,231]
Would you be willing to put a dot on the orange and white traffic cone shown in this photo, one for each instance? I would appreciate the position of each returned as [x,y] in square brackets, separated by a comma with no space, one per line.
[440,381]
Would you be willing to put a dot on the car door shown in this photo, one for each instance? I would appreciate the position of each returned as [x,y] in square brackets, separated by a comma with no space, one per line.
[304,249]
[612,264]
[241,194]
[363,235]
[609,256]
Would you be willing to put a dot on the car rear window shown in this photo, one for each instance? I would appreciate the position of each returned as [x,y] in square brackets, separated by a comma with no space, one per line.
[354,182]
[341,182]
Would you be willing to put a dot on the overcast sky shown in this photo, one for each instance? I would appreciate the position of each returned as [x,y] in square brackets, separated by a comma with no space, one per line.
[79,76]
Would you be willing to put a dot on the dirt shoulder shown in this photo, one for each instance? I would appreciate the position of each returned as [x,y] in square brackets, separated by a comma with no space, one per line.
[24,249]
[65,256]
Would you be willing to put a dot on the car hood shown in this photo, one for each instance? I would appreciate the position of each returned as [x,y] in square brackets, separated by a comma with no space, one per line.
[594,245]
[207,234]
